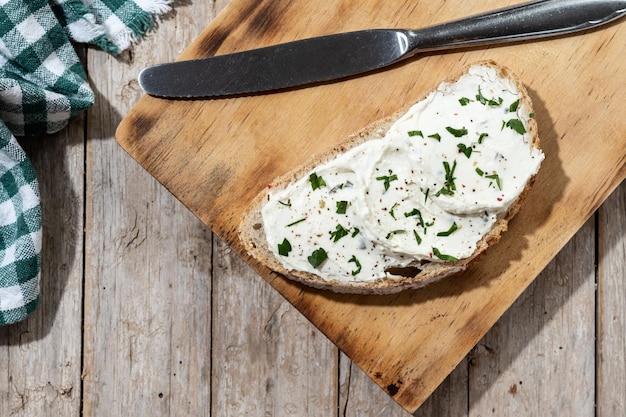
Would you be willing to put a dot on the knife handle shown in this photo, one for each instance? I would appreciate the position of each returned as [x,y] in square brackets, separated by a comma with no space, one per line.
[524,21]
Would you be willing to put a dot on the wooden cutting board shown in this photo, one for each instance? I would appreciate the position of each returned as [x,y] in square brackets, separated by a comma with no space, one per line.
[216,155]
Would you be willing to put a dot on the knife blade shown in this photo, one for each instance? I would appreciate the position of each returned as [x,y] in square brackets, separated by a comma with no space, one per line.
[338,56]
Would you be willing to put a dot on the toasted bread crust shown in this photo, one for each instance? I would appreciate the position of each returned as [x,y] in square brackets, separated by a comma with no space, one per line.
[252,235]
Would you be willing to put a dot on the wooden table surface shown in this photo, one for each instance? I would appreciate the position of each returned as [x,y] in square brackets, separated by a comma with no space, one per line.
[144,312]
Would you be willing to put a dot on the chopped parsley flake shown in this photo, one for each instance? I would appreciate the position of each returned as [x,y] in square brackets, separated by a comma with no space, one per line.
[287,204]
[443,257]
[482,136]
[516,125]
[464,101]
[444,191]
[414,212]
[412,133]
[387,179]
[420,219]
[357,263]
[448,186]
[284,248]
[342,206]
[356,232]
[451,230]
[339,232]
[435,136]
[296,222]
[496,178]
[417,237]
[465,150]
[391,211]
[316,182]
[317,257]
[457,133]
[513,106]
[487,102]
[480,171]
[394,232]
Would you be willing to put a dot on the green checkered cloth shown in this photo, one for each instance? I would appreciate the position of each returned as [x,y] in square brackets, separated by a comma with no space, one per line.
[42,86]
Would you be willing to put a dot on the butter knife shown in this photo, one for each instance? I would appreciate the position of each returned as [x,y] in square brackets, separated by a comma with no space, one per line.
[338,56]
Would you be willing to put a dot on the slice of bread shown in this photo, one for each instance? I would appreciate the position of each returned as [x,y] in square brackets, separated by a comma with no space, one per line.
[414,269]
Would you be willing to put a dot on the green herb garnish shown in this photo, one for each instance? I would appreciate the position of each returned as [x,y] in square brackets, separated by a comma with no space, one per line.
[480,171]
[339,232]
[464,101]
[443,257]
[435,136]
[417,237]
[457,133]
[413,212]
[448,186]
[296,222]
[287,204]
[516,125]
[448,232]
[342,206]
[356,232]
[416,212]
[316,182]
[391,210]
[513,106]
[425,194]
[317,257]
[394,232]
[482,136]
[357,263]
[487,102]
[450,174]
[415,133]
[284,248]
[387,179]
[465,150]
[496,178]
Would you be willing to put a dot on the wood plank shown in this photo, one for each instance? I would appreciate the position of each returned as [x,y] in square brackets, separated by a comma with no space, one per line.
[41,356]
[539,358]
[268,360]
[360,396]
[611,307]
[411,351]
[451,398]
[148,267]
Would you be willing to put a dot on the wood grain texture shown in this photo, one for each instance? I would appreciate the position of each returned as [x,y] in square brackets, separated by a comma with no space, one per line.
[611,380]
[533,349]
[258,336]
[218,155]
[42,355]
[208,354]
[147,281]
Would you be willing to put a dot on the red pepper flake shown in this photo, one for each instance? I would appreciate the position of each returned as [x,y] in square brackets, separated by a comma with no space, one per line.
[499,199]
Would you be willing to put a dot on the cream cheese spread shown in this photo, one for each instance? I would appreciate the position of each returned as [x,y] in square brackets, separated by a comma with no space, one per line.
[429,190]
